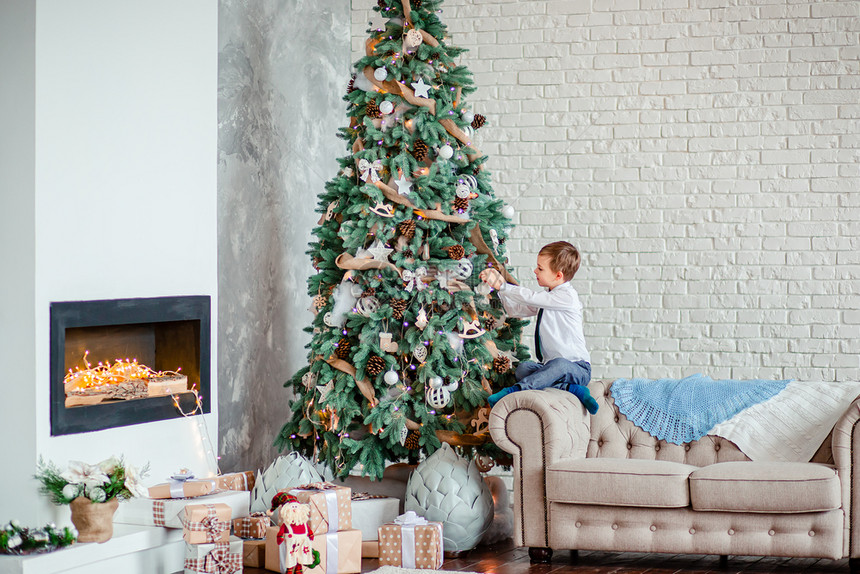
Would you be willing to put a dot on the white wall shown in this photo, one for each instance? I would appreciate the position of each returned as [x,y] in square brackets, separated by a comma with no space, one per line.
[125,192]
[705,159]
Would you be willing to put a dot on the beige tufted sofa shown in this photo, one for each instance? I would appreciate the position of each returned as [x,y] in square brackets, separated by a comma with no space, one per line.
[601,483]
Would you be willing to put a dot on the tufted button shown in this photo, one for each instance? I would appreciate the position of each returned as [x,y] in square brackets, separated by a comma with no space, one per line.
[577,523]
[617,419]
[692,531]
[653,528]
[731,531]
[614,527]
[686,447]
[657,448]
[812,533]
[717,447]
[771,532]
[600,442]
[629,446]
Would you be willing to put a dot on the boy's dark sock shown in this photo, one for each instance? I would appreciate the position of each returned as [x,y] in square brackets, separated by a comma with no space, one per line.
[496,397]
[583,395]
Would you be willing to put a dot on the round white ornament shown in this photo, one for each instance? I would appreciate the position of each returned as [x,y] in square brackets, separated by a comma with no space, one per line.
[438,398]
[386,107]
[356,290]
[309,380]
[452,386]
[380,74]
[468,116]
[420,353]
[446,152]
[391,377]
[462,190]
[367,305]
[327,319]
[436,382]
[463,270]
[508,211]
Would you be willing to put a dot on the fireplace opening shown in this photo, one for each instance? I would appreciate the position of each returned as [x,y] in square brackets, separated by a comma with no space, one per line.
[122,362]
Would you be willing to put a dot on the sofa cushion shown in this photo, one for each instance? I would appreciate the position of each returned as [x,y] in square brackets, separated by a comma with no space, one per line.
[619,482]
[784,487]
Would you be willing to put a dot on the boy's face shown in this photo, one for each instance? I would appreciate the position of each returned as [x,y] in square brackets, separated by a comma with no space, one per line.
[546,277]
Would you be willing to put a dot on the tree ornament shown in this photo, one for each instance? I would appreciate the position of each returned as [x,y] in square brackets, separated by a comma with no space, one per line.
[391,377]
[319,301]
[328,319]
[387,344]
[380,74]
[383,209]
[452,386]
[419,150]
[407,228]
[414,279]
[372,110]
[404,186]
[379,251]
[351,86]
[446,152]
[421,320]
[366,306]
[411,40]
[369,292]
[461,204]
[467,115]
[342,349]
[370,170]
[501,364]
[478,121]
[386,107]
[471,330]
[398,306]
[438,398]
[436,382]
[494,237]
[355,290]
[284,473]
[404,434]
[446,488]
[421,89]
[463,270]
[420,353]
[508,211]
[412,439]
[456,252]
[490,322]
[375,365]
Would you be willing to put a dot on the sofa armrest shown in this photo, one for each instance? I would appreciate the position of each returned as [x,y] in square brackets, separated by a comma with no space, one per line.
[845,446]
[538,428]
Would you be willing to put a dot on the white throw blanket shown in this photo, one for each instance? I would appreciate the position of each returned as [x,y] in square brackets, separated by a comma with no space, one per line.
[791,425]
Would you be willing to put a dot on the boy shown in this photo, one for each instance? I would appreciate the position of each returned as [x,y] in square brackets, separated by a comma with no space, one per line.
[559,341]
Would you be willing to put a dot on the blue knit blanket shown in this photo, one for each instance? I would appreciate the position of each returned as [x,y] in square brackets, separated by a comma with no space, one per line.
[684,410]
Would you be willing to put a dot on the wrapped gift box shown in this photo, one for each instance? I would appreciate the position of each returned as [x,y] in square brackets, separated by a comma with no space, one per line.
[235,481]
[170,512]
[217,558]
[253,526]
[254,552]
[206,523]
[370,548]
[369,512]
[340,552]
[182,488]
[411,542]
[331,506]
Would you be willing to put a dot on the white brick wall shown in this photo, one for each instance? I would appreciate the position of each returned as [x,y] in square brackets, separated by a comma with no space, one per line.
[705,159]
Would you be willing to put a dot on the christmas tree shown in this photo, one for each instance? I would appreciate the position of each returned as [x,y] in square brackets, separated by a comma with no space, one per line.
[407,342]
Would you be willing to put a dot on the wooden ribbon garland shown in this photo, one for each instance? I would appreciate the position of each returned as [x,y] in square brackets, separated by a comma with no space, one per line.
[347,262]
[364,385]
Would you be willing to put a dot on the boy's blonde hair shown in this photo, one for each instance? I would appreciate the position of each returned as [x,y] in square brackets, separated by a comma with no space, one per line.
[563,257]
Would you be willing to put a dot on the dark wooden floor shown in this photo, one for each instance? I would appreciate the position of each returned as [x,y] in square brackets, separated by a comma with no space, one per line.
[504,558]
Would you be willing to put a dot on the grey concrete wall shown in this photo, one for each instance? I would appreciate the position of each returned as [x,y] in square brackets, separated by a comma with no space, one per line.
[283,68]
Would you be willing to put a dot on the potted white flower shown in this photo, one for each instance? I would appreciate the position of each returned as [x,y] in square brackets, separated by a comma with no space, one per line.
[92,491]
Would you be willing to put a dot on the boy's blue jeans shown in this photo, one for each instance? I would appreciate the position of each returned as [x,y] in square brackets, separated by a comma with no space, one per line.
[558,373]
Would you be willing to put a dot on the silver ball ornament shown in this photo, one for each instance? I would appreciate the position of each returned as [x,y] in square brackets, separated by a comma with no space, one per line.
[380,74]
[468,116]
[436,383]
[391,377]
[386,107]
[508,211]
[446,152]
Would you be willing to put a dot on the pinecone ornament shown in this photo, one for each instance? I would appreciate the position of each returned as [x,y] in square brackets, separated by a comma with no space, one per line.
[372,110]
[456,252]
[284,473]
[407,228]
[416,4]
[412,440]
[446,488]
[478,121]
[375,365]
[461,204]
[398,306]
[343,347]
[351,86]
[419,150]
[501,364]
[369,292]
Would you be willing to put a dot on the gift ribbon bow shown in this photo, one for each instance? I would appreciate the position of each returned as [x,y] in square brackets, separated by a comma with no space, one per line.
[414,279]
[410,518]
[408,521]
[211,524]
[370,171]
[222,561]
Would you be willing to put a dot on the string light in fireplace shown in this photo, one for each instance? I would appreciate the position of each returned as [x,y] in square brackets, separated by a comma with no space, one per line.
[111,374]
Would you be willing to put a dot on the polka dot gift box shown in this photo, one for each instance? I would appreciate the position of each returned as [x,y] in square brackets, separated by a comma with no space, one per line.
[411,542]
[331,506]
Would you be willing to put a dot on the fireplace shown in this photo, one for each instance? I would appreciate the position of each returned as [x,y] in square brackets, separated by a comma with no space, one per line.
[128,361]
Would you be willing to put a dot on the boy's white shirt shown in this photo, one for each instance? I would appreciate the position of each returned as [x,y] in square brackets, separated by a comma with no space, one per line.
[561,324]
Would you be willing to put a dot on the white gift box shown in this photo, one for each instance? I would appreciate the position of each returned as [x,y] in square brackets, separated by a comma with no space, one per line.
[368,515]
[169,512]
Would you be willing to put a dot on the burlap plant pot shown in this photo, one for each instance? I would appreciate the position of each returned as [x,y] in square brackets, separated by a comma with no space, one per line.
[93,520]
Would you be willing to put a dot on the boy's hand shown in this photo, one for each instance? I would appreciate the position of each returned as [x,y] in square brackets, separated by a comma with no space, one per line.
[492,278]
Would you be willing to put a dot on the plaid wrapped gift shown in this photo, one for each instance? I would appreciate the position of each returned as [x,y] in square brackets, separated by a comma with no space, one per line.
[218,558]
[204,523]
[170,512]
[411,542]
[253,526]
[331,506]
